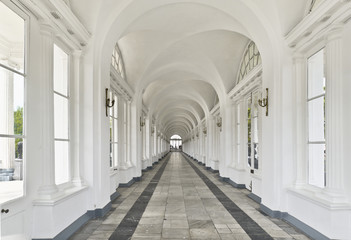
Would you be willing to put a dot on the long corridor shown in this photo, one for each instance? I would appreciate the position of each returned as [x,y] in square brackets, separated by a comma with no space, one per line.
[179,199]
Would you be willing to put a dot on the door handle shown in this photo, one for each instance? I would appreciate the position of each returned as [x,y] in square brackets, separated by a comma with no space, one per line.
[5,210]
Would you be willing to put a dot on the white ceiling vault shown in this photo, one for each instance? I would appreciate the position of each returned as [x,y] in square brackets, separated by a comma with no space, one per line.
[182,56]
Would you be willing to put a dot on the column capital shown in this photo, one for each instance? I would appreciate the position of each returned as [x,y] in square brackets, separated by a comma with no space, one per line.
[77,53]
[334,33]
[297,56]
[46,29]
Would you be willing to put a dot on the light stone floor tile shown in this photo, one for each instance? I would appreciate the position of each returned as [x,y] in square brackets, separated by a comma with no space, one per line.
[175,223]
[183,207]
[204,233]
[143,229]
[175,233]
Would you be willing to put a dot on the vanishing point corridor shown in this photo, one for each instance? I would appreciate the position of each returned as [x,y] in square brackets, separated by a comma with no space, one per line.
[179,199]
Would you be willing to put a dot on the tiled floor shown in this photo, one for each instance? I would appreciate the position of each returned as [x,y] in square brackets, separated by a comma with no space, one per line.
[184,201]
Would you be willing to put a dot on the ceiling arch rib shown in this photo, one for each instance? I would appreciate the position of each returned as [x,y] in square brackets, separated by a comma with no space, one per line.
[173,111]
[179,119]
[178,92]
[176,129]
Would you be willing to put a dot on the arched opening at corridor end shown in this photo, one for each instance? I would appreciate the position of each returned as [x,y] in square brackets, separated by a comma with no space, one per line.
[176,143]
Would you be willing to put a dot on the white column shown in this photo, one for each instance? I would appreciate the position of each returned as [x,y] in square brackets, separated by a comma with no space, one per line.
[242,156]
[147,139]
[48,187]
[334,115]
[210,135]
[301,127]
[129,134]
[7,145]
[75,119]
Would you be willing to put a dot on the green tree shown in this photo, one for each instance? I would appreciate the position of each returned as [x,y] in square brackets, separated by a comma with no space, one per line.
[18,126]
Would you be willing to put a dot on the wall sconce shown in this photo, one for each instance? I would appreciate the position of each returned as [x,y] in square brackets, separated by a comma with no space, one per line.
[219,122]
[264,102]
[108,102]
[204,130]
[142,122]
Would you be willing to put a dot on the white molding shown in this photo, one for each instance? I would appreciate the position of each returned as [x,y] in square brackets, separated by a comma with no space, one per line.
[316,196]
[314,26]
[121,85]
[67,193]
[251,80]
[67,22]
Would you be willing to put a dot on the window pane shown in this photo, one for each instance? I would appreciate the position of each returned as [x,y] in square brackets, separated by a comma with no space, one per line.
[115,107]
[11,159]
[111,129]
[316,165]
[316,80]
[111,157]
[255,145]
[60,71]
[61,117]
[115,154]
[61,162]
[115,132]
[249,154]
[11,103]
[316,120]
[12,34]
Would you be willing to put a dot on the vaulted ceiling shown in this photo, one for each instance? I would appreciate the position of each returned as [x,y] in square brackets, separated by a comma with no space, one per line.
[183,56]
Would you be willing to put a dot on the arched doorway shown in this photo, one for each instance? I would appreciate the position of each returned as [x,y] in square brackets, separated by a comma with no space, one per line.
[175,143]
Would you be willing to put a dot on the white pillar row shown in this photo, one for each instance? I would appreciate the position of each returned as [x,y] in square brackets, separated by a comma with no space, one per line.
[129,134]
[48,187]
[242,156]
[210,134]
[147,143]
[300,113]
[7,145]
[334,115]
[75,119]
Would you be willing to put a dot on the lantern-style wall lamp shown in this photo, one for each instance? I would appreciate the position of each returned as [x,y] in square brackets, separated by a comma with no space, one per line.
[108,103]
[219,122]
[264,102]
[142,122]
[204,130]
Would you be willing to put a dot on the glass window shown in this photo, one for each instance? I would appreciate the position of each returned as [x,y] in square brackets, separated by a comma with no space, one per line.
[314,4]
[250,60]
[61,115]
[117,61]
[316,119]
[249,131]
[114,132]
[252,131]
[12,84]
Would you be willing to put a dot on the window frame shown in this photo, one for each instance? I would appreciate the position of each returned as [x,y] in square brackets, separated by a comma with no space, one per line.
[117,61]
[308,55]
[115,162]
[253,95]
[20,11]
[66,50]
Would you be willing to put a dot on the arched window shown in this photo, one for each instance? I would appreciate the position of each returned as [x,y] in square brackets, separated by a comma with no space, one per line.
[117,61]
[314,4]
[250,60]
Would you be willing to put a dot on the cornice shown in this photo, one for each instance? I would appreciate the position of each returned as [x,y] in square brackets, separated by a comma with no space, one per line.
[328,14]
[59,16]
